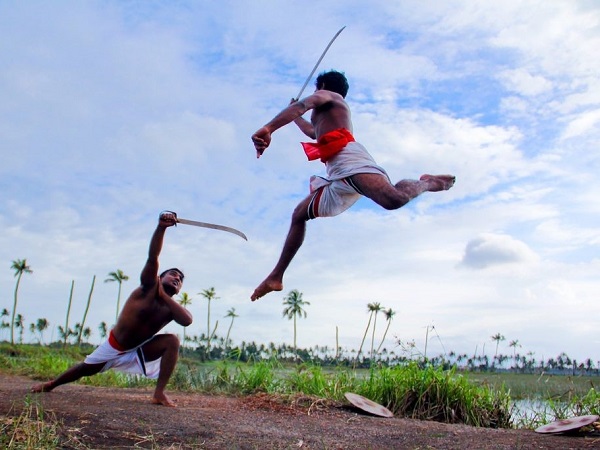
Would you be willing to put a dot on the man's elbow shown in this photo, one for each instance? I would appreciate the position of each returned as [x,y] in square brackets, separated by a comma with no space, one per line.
[185,321]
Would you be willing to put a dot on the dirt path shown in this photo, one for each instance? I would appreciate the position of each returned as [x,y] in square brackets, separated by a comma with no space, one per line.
[103,418]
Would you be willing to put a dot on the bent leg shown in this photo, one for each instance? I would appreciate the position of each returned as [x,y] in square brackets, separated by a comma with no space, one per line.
[166,347]
[72,374]
[293,242]
[379,189]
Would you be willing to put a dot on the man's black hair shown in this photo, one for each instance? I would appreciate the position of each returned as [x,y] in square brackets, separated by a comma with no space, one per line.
[333,81]
[176,270]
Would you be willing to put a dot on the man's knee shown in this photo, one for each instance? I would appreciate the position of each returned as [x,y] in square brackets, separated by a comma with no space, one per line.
[390,198]
[171,340]
[300,213]
[162,343]
[395,203]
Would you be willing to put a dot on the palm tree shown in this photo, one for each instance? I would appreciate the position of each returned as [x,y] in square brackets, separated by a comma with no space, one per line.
[67,331]
[20,324]
[4,314]
[87,307]
[40,326]
[375,308]
[184,300]
[514,344]
[294,304]
[210,295]
[366,331]
[230,313]
[103,330]
[389,314]
[497,337]
[119,277]
[20,267]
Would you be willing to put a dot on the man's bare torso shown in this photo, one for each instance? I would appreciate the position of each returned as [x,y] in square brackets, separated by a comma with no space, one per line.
[332,112]
[144,314]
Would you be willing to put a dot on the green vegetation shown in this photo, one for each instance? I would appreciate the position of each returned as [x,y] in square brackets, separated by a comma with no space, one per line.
[411,390]
[502,391]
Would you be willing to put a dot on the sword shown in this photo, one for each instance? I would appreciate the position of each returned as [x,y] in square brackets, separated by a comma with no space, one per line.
[318,62]
[211,225]
[206,225]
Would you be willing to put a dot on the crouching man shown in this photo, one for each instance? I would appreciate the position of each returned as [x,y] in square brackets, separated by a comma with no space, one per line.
[133,344]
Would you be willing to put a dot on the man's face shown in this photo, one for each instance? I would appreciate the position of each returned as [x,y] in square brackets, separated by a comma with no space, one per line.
[174,279]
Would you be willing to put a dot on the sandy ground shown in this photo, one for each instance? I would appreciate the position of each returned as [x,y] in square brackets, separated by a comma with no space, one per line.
[103,418]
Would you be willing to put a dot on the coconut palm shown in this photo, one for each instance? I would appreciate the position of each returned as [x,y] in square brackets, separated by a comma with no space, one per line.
[375,308]
[103,328]
[514,344]
[389,314]
[498,338]
[20,324]
[87,308]
[66,331]
[184,300]
[293,308]
[366,331]
[20,267]
[230,313]
[40,326]
[4,314]
[119,277]
[210,295]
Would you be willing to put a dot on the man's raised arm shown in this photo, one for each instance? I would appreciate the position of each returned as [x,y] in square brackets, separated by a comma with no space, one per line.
[150,270]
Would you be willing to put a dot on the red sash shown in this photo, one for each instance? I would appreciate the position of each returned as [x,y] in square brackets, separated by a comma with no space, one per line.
[114,343]
[328,145]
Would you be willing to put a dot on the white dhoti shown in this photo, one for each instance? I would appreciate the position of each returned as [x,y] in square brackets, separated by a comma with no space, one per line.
[128,361]
[336,193]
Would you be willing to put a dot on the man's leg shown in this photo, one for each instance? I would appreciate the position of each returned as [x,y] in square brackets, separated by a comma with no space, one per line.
[381,191]
[166,347]
[293,241]
[72,374]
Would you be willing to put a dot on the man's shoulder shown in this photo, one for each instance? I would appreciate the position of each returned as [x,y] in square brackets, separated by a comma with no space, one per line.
[143,291]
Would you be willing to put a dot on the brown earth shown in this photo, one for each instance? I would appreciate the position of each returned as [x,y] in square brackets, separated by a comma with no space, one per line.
[102,418]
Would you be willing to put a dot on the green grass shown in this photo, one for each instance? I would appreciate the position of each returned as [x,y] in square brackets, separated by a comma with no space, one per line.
[412,390]
[526,386]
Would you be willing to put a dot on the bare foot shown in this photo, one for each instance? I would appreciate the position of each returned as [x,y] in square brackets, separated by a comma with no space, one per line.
[163,400]
[44,387]
[438,182]
[265,287]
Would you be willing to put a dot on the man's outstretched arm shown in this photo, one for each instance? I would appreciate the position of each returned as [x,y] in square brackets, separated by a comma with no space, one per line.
[150,270]
[262,137]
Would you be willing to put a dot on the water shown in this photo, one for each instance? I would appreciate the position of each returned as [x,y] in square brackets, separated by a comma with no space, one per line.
[539,411]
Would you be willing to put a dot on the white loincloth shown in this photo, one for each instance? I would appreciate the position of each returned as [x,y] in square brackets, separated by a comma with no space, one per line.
[336,193]
[128,361]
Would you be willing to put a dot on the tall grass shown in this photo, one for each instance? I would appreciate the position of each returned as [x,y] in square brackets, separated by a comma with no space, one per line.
[407,391]
[411,390]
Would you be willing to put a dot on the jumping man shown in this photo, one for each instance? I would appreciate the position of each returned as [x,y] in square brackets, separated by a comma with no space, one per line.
[351,170]
[133,345]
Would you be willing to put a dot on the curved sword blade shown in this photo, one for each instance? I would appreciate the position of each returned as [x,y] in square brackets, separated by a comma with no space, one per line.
[318,62]
[213,226]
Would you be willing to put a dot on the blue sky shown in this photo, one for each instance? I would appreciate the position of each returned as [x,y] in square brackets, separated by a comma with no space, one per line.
[114,111]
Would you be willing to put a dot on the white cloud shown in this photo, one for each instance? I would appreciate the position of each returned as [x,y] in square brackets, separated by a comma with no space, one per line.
[524,83]
[490,250]
[111,113]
